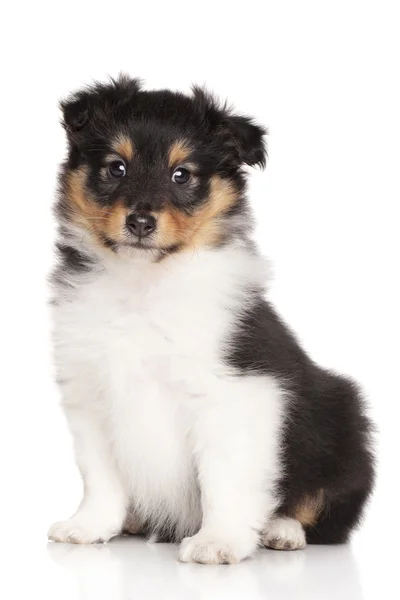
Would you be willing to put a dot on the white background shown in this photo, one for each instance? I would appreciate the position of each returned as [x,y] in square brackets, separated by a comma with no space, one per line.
[324,77]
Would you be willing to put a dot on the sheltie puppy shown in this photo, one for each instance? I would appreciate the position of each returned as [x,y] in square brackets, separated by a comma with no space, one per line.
[196,415]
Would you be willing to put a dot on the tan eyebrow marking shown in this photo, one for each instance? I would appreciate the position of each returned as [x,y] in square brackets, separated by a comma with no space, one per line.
[123,145]
[178,153]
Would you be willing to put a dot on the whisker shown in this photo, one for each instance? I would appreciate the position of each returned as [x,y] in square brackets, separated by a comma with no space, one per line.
[96,218]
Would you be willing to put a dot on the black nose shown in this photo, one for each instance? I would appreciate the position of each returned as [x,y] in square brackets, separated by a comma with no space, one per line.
[140,225]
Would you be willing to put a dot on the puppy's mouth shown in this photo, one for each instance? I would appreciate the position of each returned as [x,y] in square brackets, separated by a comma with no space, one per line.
[147,245]
[142,244]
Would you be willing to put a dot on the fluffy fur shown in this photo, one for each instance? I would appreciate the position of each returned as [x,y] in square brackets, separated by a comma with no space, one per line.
[196,415]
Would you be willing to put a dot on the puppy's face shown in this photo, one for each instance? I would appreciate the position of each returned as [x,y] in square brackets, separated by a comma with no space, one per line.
[155,172]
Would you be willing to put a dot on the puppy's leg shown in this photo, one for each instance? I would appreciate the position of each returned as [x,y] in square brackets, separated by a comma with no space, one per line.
[236,447]
[102,511]
[284,533]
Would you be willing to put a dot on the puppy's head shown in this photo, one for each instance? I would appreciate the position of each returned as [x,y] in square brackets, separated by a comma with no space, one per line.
[155,171]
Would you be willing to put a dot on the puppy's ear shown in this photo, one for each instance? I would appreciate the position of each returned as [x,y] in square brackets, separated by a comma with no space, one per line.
[243,139]
[97,102]
[249,140]
[75,113]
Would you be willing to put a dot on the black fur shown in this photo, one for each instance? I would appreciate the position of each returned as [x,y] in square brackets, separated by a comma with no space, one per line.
[70,262]
[72,259]
[327,441]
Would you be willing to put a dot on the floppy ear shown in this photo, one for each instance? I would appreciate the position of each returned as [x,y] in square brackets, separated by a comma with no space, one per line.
[75,113]
[249,140]
[243,139]
[95,101]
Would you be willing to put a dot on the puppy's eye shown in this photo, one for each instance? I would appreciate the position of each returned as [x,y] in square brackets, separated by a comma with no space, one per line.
[180,175]
[117,168]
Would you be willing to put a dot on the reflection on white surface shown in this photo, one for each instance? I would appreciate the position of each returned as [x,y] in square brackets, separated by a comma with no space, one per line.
[129,568]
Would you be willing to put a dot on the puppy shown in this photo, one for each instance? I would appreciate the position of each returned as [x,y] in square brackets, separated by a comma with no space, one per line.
[196,415]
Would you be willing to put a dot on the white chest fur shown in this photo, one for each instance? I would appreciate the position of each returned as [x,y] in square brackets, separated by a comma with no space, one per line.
[140,346]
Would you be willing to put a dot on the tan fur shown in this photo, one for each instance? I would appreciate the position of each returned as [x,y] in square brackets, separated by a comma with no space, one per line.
[178,153]
[309,509]
[124,147]
[101,222]
[203,227]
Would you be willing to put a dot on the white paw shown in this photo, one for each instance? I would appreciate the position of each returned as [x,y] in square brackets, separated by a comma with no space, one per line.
[80,531]
[206,548]
[283,533]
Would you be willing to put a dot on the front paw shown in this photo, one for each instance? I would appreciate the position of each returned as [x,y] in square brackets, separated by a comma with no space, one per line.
[283,533]
[80,531]
[211,548]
